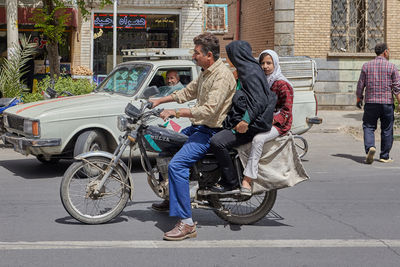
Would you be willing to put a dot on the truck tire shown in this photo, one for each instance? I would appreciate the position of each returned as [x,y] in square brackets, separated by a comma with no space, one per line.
[90,141]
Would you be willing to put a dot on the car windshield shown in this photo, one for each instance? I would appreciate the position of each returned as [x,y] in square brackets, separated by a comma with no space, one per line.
[125,80]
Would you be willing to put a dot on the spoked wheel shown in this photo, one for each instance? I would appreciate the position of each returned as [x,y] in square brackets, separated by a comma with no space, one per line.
[244,210]
[301,145]
[78,195]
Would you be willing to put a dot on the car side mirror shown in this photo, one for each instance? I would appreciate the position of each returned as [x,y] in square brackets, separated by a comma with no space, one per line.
[150,91]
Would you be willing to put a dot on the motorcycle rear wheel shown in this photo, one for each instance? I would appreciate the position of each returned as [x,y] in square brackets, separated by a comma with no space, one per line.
[79,199]
[245,210]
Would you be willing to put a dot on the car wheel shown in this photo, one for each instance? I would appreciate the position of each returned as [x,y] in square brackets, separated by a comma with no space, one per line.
[90,141]
[44,160]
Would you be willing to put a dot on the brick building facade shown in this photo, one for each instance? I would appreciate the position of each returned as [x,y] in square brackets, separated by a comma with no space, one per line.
[307,28]
[339,35]
[339,67]
[252,21]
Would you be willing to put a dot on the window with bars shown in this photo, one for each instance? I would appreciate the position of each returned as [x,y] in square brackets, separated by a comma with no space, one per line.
[357,25]
[216,18]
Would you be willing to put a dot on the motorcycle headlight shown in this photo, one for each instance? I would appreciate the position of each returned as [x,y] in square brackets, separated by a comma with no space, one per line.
[5,121]
[31,127]
[122,123]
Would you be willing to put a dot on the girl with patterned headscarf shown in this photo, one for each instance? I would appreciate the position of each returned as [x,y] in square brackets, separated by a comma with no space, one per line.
[282,118]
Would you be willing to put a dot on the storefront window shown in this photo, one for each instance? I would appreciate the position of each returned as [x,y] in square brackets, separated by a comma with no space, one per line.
[37,67]
[133,31]
[37,37]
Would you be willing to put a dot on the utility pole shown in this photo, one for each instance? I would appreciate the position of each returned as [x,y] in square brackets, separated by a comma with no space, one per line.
[12,26]
[115,33]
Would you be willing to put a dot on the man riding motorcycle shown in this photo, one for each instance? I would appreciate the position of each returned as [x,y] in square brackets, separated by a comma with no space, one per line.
[213,90]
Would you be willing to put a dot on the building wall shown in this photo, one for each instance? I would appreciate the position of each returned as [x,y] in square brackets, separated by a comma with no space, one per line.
[85,51]
[257,24]
[392,27]
[230,35]
[284,27]
[312,28]
[337,73]
[191,22]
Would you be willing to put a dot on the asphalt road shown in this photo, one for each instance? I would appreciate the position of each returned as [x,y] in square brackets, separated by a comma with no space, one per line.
[347,214]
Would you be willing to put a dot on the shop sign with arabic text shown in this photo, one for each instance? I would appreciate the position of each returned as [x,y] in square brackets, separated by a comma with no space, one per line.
[124,21]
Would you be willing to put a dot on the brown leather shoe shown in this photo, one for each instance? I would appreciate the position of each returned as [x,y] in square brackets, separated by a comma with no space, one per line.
[181,231]
[162,206]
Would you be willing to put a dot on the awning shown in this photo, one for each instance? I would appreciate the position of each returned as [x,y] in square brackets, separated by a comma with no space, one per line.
[26,13]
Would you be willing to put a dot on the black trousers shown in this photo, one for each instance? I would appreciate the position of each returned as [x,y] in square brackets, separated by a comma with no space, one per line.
[221,143]
[385,113]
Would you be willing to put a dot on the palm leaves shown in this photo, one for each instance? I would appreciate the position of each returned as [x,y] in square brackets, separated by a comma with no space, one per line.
[14,68]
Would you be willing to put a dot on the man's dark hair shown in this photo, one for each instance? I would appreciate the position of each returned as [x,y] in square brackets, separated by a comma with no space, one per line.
[380,48]
[209,43]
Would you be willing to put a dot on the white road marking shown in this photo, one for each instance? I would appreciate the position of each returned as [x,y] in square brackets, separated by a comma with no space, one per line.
[190,243]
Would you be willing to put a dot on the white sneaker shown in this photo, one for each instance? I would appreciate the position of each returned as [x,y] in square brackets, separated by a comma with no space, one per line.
[389,160]
[370,156]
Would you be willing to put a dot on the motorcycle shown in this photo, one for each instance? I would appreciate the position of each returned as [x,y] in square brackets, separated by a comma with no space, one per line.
[96,187]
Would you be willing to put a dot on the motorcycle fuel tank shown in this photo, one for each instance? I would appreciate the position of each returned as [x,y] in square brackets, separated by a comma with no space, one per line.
[158,139]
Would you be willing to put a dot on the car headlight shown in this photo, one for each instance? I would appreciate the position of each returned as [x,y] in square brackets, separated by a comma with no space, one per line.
[31,127]
[122,123]
[5,121]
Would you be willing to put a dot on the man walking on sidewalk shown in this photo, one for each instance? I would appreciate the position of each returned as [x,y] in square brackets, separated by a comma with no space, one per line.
[381,80]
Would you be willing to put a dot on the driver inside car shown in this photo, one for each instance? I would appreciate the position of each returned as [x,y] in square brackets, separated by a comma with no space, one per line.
[173,83]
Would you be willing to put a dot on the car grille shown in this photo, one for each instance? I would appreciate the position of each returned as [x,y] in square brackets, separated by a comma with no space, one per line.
[16,123]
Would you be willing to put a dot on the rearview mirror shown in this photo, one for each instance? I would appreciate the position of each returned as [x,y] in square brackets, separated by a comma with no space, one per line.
[150,91]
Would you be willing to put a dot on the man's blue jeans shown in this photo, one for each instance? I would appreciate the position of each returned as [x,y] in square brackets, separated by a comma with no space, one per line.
[385,113]
[194,149]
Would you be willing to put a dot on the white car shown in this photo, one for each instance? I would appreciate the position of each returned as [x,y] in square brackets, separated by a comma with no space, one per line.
[62,128]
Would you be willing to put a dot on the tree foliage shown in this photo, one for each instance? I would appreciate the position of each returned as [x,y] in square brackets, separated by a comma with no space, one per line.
[60,84]
[53,19]
[14,68]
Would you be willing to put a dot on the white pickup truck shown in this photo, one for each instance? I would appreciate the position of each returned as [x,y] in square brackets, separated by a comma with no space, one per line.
[62,128]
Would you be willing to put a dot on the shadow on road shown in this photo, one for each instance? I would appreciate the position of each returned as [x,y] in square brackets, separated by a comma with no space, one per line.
[355,116]
[358,159]
[31,168]
[71,221]
[164,222]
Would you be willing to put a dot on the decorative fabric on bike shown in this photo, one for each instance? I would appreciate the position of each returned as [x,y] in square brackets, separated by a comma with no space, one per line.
[279,165]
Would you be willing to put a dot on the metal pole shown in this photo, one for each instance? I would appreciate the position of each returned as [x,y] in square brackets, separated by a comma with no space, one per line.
[115,34]
[91,38]
[12,26]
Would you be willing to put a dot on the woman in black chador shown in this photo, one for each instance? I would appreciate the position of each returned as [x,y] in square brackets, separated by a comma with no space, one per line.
[251,112]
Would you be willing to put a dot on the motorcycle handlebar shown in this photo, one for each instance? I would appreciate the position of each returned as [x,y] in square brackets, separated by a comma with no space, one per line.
[149,105]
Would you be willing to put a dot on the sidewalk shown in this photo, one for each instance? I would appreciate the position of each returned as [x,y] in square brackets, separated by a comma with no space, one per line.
[346,121]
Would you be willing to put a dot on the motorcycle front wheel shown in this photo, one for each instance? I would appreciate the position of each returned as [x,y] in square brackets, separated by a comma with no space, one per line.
[79,197]
[244,210]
